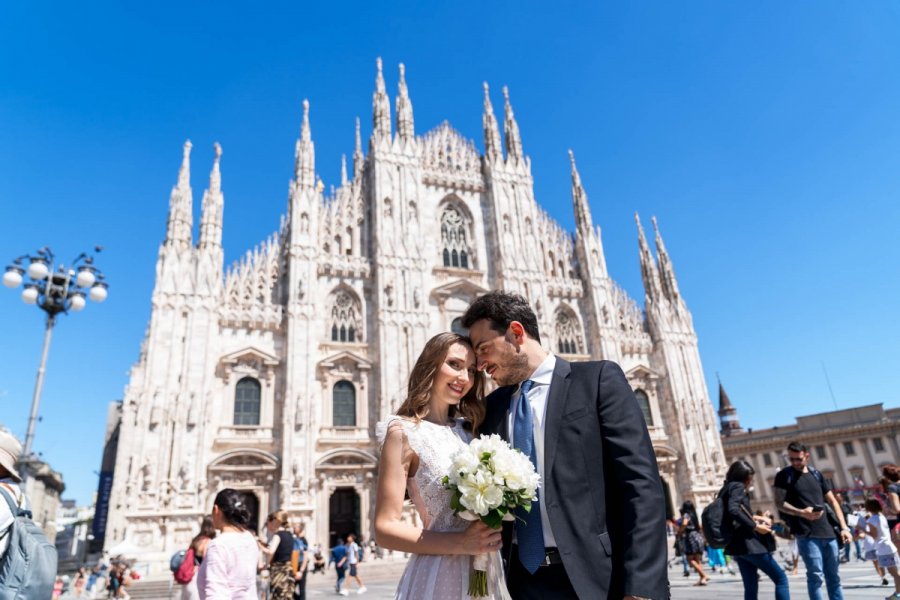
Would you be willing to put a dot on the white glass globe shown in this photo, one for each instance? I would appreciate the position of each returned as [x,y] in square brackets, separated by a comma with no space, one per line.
[99,292]
[77,302]
[38,269]
[85,278]
[12,278]
[29,295]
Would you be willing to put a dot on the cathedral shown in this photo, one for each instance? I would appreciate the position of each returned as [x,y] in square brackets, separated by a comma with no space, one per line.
[269,376]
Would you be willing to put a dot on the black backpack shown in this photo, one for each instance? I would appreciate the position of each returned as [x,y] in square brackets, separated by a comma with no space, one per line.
[713,519]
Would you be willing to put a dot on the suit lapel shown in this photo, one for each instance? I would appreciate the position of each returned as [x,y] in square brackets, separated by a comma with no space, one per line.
[556,403]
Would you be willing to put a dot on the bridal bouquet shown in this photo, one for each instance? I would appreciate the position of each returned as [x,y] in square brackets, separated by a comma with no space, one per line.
[489,480]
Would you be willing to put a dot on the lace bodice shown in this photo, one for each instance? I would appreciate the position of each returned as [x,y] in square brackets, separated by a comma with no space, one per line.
[434,445]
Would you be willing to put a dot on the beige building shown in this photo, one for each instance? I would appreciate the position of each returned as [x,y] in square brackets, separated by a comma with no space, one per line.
[848,446]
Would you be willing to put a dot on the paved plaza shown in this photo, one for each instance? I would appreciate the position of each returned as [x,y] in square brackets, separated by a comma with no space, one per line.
[859,579]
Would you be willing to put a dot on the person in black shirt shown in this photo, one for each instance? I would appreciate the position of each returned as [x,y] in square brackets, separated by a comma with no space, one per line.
[801,493]
[751,541]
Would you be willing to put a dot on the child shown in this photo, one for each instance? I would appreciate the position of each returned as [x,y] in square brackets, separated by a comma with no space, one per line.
[877,527]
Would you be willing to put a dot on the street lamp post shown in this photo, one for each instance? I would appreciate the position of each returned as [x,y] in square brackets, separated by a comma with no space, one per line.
[53,291]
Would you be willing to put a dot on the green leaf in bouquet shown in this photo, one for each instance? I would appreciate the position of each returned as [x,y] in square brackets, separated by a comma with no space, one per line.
[493,519]
[486,457]
[455,503]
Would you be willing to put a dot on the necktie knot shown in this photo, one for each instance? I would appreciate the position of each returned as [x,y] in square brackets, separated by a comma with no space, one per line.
[525,387]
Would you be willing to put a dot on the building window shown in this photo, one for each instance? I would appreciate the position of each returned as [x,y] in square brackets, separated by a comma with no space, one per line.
[454,238]
[856,474]
[644,403]
[820,453]
[568,332]
[246,402]
[849,450]
[457,327]
[767,459]
[878,444]
[344,404]
[345,319]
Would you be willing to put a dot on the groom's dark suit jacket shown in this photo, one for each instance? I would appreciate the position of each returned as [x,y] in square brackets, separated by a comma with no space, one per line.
[602,490]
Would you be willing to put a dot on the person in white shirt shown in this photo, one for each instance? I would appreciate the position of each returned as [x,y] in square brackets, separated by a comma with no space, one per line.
[877,527]
[353,560]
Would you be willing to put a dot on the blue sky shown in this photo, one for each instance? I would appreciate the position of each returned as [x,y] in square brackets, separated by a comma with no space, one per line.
[764,136]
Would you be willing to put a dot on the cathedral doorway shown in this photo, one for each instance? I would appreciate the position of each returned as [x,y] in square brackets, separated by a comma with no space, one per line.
[343,514]
[252,502]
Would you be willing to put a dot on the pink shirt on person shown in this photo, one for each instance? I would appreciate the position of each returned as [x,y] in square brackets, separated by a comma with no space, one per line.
[228,570]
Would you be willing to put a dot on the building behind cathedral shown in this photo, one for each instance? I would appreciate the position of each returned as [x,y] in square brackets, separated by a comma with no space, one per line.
[270,376]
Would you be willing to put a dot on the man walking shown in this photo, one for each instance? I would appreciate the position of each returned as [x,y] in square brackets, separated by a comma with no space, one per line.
[599,523]
[353,554]
[801,493]
[339,558]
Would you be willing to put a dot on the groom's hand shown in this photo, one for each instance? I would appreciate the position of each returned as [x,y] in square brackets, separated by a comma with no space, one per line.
[479,538]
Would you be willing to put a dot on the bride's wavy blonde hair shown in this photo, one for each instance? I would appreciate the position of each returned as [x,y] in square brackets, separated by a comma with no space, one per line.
[421,380]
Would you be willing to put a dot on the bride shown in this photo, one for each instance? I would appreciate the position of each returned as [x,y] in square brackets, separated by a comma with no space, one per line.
[440,415]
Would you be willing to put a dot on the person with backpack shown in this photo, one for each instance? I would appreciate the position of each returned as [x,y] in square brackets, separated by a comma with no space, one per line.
[193,558]
[801,493]
[694,543]
[354,557]
[749,538]
[27,560]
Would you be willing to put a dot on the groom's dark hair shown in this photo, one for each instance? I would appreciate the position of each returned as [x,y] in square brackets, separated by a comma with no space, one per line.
[502,308]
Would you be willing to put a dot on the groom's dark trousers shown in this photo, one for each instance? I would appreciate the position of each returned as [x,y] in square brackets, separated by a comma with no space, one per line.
[602,491]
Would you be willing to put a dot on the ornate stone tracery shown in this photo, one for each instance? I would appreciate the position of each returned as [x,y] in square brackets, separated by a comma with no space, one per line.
[569,336]
[346,322]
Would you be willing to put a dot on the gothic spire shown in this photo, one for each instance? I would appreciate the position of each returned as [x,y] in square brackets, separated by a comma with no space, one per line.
[492,147]
[212,207]
[511,130]
[343,169]
[580,201]
[184,172]
[404,108]
[666,271]
[728,418]
[181,202]
[305,154]
[357,152]
[381,107]
[649,273]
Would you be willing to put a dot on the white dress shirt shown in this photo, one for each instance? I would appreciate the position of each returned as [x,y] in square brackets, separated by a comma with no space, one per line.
[537,396]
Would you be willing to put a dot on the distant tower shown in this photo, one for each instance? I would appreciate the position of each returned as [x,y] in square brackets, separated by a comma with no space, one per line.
[728,418]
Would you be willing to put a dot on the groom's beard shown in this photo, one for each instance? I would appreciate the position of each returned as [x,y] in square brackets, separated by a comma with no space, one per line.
[513,371]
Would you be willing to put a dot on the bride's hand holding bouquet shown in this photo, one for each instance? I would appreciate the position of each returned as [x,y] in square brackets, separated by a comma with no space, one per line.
[489,480]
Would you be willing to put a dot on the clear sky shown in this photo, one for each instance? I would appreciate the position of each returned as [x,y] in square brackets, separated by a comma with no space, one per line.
[764,136]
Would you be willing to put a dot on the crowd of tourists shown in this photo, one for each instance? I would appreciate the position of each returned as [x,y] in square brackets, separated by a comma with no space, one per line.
[816,525]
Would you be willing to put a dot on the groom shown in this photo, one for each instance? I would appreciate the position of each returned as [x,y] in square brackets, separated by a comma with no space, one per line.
[598,528]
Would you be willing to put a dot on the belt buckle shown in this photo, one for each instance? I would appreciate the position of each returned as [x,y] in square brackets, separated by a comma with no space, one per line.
[546,562]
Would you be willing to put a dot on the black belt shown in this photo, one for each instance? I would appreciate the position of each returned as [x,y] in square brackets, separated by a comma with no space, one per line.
[551,557]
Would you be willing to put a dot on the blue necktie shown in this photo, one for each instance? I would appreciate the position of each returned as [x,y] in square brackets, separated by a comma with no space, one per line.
[529,533]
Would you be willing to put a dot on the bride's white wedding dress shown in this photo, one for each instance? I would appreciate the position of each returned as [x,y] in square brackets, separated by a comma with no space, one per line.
[437,576]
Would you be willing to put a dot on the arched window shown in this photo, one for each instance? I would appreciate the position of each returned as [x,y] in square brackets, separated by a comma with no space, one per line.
[343,404]
[454,238]
[345,321]
[246,402]
[457,327]
[568,333]
[644,403]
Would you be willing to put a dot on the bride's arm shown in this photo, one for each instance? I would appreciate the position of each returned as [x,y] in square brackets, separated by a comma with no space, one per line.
[390,530]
